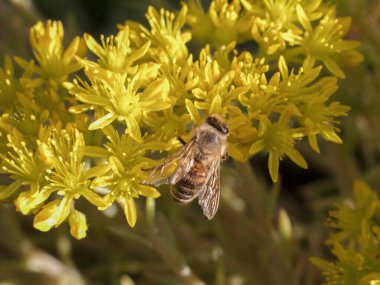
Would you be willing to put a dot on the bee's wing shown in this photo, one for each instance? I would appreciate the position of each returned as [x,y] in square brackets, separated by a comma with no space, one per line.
[209,196]
[174,167]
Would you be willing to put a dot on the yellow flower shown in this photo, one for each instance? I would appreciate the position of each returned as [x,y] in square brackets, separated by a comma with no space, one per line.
[225,23]
[55,62]
[166,35]
[115,53]
[275,22]
[22,164]
[277,139]
[249,71]
[8,86]
[167,126]
[128,151]
[200,22]
[319,118]
[325,41]
[218,99]
[263,97]
[123,185]
[64,152]
[67,175]
[241,135]
[121,97]
[215,91]
[124,179]
[355,245]
[182,78]
[20,161]
[349,218]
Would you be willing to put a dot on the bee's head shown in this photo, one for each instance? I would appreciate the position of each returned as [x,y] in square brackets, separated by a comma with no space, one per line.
[218,123]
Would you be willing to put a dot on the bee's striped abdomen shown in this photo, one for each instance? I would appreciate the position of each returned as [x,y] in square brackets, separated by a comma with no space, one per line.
[188,187]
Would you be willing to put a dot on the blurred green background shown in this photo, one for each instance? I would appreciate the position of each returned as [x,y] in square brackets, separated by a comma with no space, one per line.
[270,242]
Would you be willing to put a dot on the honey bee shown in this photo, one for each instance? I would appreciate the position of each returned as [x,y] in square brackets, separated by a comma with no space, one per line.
[195,168]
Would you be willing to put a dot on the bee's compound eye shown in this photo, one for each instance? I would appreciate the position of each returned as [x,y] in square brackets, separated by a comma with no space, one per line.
[217,124]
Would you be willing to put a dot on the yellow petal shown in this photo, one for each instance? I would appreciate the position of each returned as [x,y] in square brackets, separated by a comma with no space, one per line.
[139,53]
[78,224]
[216,105]
[117,166]
[333,67]
[323,264]
[314,143]
[79,108]
[148,191]
[264,124]
[283,67]
[94,198]
[155,91]
[52,214]
[273,49]
[102,121]
[71,50]
[93,46]
[308,63]
[97,170]
[133,128]
[303,18]
[130,211]
[331,136]
[273,165]
[296,157]
[94,151]
[237,152]
[28,201]
[194,114]
[256,147]
[9,190]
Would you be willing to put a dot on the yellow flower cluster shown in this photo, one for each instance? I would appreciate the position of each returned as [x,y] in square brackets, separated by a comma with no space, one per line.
[63,138]
[356,240]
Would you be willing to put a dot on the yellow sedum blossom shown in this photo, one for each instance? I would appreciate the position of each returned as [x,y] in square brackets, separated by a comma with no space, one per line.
[115,52]
[76,125]
[8,85]
[166,35]
[224,23]
[355,242]
[278,140]
[275,22]
[324,42]
[124,178]
[122,97]
[55,62]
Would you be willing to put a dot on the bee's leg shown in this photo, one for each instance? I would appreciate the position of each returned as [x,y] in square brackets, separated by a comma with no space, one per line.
[181,140]
[225,156]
